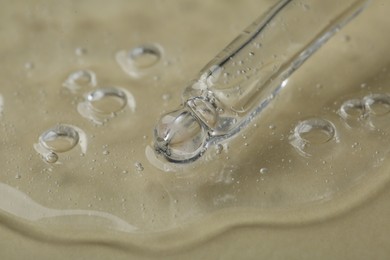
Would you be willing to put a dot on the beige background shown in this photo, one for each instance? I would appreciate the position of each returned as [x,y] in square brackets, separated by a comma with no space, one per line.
[291,214]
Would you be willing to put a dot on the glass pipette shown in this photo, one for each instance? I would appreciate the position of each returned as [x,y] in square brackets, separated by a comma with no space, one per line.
[244,78]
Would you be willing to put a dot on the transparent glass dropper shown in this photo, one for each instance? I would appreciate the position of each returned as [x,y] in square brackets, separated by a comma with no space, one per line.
[245,77]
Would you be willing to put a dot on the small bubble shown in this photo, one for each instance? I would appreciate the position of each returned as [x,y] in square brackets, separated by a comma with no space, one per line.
[51,157]
[272,127]
[106,152]
[139,167]
[29,65]
[139,60]
[264,170]
[60,138]
[80,51]
[354,145]
[166,96]
[18,176]
[80,79]
[218,148]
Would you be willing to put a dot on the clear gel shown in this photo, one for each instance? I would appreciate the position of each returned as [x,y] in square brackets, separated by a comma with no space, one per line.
[241,80]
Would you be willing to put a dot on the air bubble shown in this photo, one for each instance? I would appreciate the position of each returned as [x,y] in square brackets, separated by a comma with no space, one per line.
[59,139]
[80,79]
[139,60]
[103,103]
[311,134]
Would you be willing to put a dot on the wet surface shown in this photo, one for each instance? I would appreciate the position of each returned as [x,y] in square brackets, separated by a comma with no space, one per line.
[319,151]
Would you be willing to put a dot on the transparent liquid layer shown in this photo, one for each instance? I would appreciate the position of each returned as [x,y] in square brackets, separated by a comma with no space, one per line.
[112,189]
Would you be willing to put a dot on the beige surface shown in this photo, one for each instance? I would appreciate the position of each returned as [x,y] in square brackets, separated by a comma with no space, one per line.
[331,205]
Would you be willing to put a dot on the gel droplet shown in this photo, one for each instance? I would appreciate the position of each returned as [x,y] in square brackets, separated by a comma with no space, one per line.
[60,138]
[352,108]
[104,103]
[107,100]
[144,56]
[377,104]
[139,60]
[80,79]
[315,131]
[378,108]
[311,133]
[352,112]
